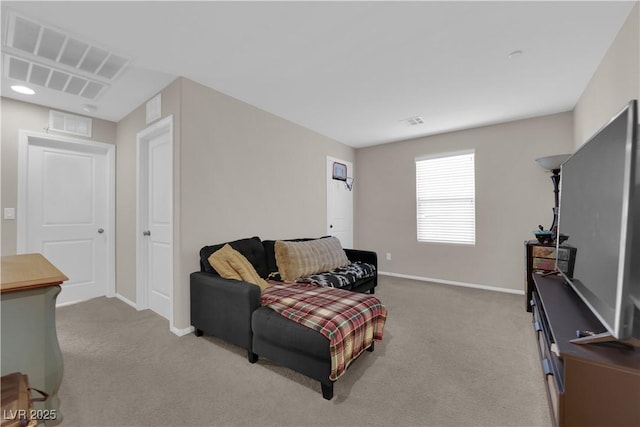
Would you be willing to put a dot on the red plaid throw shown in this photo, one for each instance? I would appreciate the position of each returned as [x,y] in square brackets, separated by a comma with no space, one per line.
[350,320]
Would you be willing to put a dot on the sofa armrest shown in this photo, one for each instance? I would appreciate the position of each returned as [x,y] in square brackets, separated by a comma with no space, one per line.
[369,257]
[223,307]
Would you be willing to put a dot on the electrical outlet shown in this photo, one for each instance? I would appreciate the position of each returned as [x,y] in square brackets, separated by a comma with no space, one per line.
[388,256]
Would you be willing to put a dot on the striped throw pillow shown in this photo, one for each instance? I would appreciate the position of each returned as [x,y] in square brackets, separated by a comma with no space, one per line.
[298,259]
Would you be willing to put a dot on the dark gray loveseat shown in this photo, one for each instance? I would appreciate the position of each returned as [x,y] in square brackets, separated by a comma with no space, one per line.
[232,310]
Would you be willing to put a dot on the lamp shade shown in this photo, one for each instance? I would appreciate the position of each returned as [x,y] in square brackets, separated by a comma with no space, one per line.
[552,162]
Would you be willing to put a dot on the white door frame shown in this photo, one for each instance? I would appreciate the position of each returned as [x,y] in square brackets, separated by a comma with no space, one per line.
[142,256]
[26,138]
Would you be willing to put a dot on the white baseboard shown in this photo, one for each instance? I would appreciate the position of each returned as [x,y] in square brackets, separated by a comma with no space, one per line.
[120,297]
[127,301]
[178,332]
[64,304]
[182,332]
[452,282]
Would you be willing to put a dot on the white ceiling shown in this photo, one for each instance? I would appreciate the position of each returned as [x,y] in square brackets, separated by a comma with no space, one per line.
[349,70]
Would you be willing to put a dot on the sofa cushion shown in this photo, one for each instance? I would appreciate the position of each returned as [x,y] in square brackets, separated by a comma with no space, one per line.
[297,259]
[230,264]
[270,251]
[251,249]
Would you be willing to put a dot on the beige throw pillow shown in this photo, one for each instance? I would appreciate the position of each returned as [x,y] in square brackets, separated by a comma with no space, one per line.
[231,264]
[299,259]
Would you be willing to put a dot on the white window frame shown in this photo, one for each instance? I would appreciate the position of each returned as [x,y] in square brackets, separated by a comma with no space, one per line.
[445,209]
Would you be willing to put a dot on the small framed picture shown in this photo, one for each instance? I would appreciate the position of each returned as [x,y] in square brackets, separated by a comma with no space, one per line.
[339,171]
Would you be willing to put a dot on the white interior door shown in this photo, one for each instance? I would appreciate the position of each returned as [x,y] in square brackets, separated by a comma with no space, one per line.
[67,214]
[340,205]
[155,217]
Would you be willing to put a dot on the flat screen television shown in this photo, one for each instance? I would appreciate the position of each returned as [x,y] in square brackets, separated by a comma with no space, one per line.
[600,212]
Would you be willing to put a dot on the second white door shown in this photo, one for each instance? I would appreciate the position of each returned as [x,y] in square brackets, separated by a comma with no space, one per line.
[340,205]
[155,217]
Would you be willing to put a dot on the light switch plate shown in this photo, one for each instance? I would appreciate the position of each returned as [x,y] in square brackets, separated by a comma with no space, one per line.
[9,213]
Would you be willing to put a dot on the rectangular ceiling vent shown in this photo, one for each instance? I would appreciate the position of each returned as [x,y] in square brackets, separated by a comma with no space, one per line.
[51,78]
[50,58]
[413,121]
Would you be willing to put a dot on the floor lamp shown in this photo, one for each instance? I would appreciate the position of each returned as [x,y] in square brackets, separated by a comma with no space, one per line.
[552,164]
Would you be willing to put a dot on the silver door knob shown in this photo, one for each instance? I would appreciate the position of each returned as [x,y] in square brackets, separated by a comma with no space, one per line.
[100,230]
[146,233]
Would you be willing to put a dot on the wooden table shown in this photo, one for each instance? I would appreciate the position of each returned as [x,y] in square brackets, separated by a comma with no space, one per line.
[28,290]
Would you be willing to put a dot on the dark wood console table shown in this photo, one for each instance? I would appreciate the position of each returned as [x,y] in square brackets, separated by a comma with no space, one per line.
[587,385]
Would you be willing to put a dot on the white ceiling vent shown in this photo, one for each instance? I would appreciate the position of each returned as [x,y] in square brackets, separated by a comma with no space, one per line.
[50,58]
[413,121]
[45,76]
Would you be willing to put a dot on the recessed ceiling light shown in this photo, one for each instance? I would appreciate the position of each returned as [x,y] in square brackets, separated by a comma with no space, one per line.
[515,54]
[23,89]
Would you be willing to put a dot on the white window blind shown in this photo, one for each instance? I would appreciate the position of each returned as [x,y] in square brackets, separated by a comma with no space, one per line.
[445,192]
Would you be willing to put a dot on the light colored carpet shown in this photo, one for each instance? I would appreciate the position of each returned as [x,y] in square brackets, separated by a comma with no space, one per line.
[451,356]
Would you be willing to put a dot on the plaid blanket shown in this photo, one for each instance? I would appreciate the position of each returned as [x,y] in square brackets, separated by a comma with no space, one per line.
[349,320]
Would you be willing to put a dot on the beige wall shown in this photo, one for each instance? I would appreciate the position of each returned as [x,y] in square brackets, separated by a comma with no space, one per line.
[616,81]
[246,172]
[126,187]
[505,165]
[18,115]
[239,172]
[513,196]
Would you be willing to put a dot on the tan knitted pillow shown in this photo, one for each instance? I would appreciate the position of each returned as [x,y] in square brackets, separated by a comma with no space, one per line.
[231,264]
[299,259]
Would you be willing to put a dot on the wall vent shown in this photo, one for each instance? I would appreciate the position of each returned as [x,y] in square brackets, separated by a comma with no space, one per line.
[69,123]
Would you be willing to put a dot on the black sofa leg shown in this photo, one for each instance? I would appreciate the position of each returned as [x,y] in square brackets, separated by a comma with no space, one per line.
[253,358]
[371,347]
[372,291]
[198,332]
[327,390]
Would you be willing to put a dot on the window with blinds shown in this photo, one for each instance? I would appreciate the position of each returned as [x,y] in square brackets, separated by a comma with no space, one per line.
[445,194]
